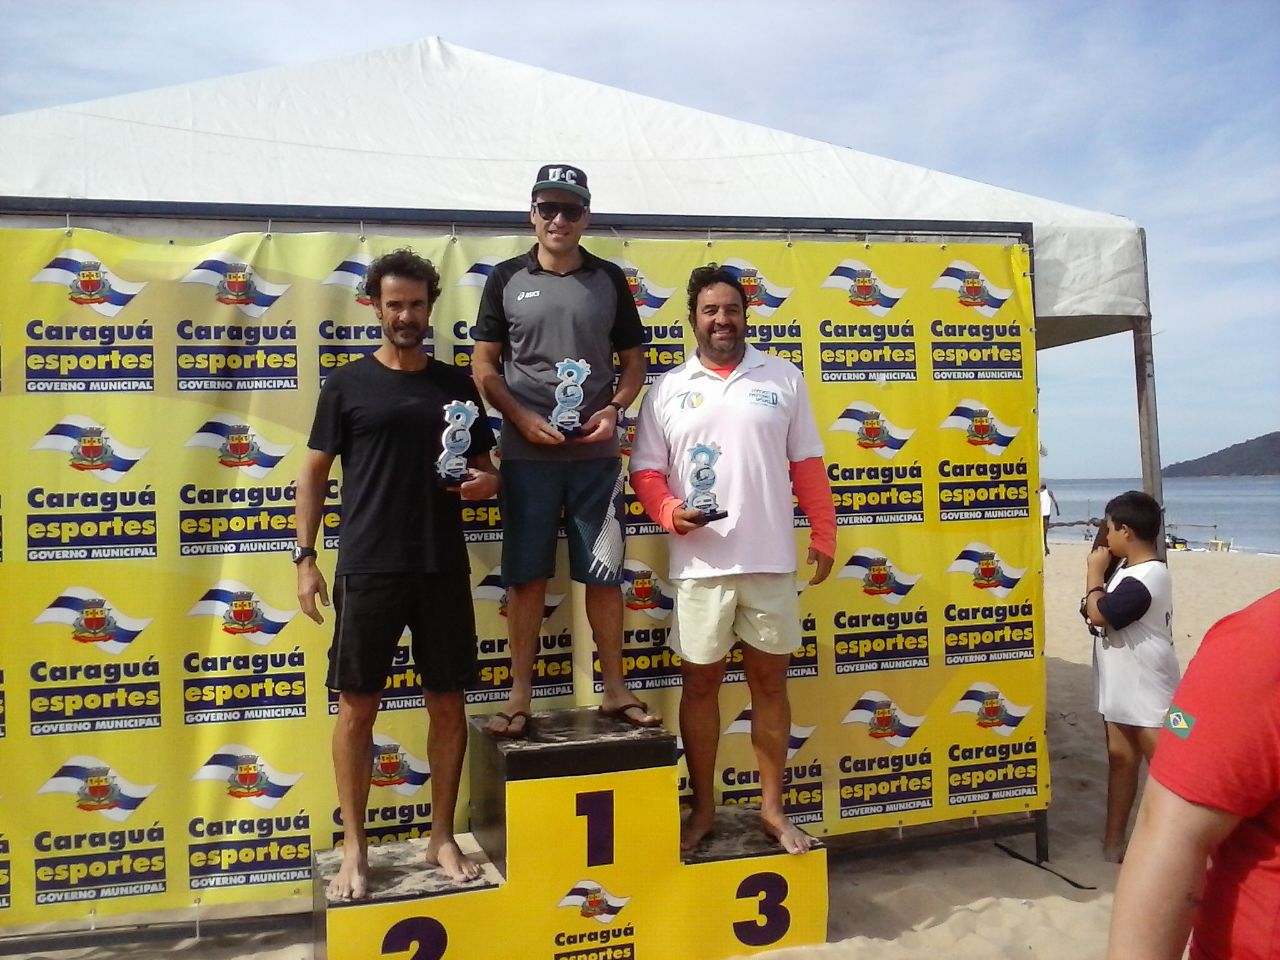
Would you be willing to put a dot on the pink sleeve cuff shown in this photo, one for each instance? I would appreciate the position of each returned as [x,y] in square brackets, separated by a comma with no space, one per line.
[813,490]
[656,497]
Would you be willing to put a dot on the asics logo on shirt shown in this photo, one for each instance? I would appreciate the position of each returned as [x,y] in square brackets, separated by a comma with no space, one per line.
[527,294]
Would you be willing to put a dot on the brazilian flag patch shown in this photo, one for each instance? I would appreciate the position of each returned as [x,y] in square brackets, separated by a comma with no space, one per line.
[1179,721]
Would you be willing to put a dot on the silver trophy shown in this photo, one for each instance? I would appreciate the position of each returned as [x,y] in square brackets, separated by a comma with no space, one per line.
[703,456]
[451,465]
[567,415]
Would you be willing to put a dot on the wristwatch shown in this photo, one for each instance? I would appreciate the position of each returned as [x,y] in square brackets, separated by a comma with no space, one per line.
[301,553]
[620,407]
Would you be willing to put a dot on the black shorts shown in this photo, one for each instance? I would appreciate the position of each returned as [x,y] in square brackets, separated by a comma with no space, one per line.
[372,611]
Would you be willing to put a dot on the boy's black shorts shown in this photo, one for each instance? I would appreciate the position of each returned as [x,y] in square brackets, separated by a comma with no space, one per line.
[372,611]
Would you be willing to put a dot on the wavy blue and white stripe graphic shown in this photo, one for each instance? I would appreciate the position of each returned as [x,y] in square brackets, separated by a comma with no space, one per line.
[412,774]
[213,271]
[66,434]
[651,296]
[798,735]
[974,701]
[65,268]
[903,725]
[70,604]
[769,296]
[266,792]
[882,297]
[217,601]
[1003,579]
[889,439]
[478,273]
[660,600]
[213,433]
[607,906]
[350,273]
[998,436]
[990,298]
[491,588]
[895,589]
[123,797]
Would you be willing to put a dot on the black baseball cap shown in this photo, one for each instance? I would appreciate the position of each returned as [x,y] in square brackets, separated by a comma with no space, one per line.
[562,176]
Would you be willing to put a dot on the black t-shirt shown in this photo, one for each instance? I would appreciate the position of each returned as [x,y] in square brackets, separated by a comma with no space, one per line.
[386,427]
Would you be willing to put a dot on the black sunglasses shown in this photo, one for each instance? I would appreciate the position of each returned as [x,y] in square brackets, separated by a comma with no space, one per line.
[549,210]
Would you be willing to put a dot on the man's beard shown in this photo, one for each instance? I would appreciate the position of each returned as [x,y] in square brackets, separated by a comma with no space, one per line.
[414,335]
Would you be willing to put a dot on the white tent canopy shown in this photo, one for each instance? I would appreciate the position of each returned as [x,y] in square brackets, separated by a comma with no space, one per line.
[434,126]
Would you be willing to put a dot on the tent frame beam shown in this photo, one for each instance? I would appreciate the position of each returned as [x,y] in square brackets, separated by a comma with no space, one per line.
[160,209]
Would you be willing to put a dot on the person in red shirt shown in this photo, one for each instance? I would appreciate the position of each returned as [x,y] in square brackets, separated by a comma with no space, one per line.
[1213,794]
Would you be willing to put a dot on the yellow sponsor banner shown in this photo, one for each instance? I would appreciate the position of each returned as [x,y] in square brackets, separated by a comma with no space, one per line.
[162,699]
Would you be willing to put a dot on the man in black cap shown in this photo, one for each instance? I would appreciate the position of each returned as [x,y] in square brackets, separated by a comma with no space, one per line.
[550,322]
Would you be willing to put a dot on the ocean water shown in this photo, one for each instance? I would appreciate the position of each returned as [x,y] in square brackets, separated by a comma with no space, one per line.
[1244,510]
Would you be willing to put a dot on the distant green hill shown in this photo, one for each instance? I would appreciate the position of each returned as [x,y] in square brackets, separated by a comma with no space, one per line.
[1254,458]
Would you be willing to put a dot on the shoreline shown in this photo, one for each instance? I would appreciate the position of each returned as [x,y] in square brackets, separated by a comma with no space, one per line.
[1243,511]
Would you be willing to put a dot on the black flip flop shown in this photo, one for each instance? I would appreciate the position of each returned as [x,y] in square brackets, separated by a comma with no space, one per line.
[620,713]
[508,733]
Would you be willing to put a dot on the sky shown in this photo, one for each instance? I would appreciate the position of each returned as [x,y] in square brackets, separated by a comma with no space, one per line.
[1165,112]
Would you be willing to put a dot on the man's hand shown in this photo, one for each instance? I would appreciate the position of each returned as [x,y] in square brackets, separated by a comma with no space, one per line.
[480,485]
[824,564]
[1099,558]
[311,585]
[536,429]
[685,520]
[601,425]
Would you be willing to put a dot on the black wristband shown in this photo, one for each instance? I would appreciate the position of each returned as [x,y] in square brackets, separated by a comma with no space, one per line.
[1095,590]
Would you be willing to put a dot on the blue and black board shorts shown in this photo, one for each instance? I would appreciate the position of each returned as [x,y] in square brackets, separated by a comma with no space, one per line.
[535,493]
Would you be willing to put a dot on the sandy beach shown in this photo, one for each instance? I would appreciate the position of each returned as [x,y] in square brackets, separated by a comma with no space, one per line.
[971,899]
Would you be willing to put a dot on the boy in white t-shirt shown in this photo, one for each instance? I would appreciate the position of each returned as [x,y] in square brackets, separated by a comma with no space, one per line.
[1135,669]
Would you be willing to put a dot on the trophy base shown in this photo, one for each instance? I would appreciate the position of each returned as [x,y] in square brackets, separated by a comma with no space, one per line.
[450,484]
[709,517]
[570,433]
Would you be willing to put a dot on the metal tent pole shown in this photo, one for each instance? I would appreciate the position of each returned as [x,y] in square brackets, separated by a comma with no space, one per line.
[1148,427]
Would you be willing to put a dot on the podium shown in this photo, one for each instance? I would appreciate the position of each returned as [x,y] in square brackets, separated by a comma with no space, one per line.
[577,828]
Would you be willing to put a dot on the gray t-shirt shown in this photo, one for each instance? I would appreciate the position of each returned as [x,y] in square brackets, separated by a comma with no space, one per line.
[541,318]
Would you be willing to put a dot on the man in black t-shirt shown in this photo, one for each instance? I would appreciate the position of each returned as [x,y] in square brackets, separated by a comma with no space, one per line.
[402,560]
[558,303]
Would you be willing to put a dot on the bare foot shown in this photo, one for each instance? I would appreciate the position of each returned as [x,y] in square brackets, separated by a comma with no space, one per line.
[695,828]
[511,720]
[790,837]
[1113,852]
[351,882]
[444,853]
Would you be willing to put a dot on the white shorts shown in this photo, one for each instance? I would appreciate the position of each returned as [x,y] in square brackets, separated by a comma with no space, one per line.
[761,608]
